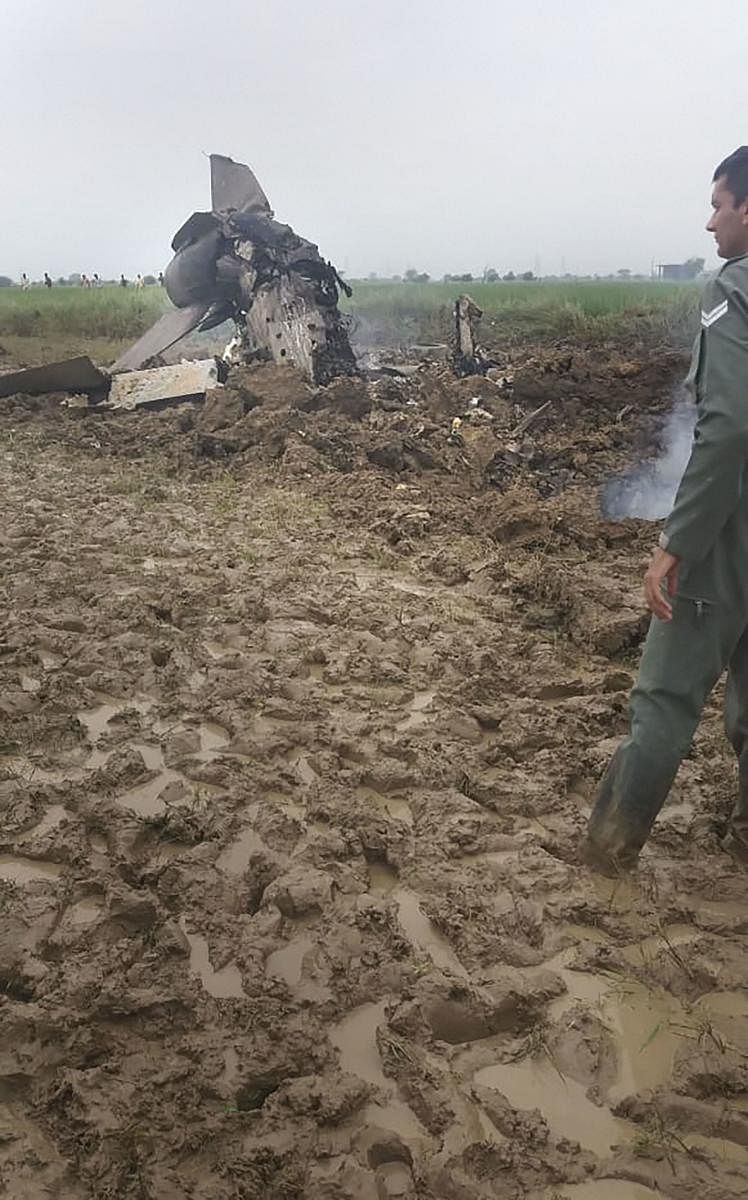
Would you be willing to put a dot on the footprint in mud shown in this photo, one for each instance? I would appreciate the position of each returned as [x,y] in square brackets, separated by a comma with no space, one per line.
[417,716]
[288,961]
[354,1037]
[17,869]
[417,927]
[226,983]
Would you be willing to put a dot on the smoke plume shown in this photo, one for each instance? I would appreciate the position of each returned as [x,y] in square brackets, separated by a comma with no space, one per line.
[648,490]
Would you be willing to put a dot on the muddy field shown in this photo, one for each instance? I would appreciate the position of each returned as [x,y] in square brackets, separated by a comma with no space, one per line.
[303,700]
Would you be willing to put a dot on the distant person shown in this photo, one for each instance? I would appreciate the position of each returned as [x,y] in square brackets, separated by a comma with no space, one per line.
[697,581]
[139,281]
[25,282]
[47,280]
[96,282]
[84,281]
[122,281]
[160,279]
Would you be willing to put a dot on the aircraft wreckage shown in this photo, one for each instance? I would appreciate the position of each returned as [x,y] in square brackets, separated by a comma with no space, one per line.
[237,263]
[234,262]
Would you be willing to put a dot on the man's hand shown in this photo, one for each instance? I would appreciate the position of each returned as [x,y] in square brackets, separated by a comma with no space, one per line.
[662,569]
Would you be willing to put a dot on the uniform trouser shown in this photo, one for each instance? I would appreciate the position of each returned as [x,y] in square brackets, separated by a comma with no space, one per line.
[682,660]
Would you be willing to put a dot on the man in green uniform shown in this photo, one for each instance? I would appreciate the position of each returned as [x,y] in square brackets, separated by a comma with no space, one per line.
[697,581]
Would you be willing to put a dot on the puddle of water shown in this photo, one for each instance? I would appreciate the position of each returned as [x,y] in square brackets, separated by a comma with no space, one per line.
[48,658]
[646,1023]
[145,799]
[390,806]
[563,1103]
[97,758]
[234,860]
[726,1004]
[411,587]
[640,953]
[96,719]
[717,910]
[416,715]
[602,1189]
[230,1068]
[84,912]
[419,929]
[223,984]
[497,857]
[27,870]
[53,817]
[301,765]
[219,650]
[167,851]
[382,879]
[355,1039]
[289,960]
[719,1147]
[152,756]
[213,737]
[286,804]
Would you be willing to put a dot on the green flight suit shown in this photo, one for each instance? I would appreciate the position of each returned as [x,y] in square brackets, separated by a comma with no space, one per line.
[708,531]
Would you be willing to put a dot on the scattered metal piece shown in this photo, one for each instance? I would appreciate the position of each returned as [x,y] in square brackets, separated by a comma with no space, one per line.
[69,375]
[527,421]
[468,358]
[162,385]
[168,330]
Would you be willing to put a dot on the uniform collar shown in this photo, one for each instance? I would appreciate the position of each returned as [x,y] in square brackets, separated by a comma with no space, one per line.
[729,261]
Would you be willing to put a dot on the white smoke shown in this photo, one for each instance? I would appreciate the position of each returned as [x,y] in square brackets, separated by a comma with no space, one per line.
[648,490]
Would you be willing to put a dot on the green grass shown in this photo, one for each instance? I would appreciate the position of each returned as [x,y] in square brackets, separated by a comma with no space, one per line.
[394,313]
[596,310]
[108,312]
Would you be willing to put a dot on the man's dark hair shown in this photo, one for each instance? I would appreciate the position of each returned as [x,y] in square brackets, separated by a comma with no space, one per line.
[735,169]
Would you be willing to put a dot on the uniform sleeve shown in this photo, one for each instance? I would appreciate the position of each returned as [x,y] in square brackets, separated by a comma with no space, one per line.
[712,484]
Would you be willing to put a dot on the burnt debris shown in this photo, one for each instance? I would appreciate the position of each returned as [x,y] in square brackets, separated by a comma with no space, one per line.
[238,262]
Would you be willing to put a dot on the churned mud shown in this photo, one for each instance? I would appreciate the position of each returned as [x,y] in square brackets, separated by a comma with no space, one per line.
[304,699]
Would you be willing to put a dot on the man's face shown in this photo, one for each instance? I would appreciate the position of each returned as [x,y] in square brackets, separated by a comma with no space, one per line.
[728,222]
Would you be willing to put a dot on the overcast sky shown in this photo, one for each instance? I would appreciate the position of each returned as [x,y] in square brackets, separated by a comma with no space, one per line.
[445,136]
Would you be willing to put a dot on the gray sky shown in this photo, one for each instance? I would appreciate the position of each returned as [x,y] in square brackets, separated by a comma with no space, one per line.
[441,135]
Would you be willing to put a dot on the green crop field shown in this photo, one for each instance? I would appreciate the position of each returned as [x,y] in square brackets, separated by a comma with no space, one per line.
[596,310]
[113,312]
[394,312]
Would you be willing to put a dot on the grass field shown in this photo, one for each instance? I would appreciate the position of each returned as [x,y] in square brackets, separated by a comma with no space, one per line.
[103,312]
[394,312]
[595,310]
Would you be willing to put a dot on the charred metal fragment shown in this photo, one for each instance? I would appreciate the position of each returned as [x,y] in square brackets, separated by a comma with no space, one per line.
[70,375]
[468,357]
[163,385]
[237,261]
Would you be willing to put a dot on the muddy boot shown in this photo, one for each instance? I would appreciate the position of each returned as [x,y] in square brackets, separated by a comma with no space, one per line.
[631,794]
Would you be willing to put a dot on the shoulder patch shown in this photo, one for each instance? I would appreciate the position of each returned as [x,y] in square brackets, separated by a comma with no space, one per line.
[708,318]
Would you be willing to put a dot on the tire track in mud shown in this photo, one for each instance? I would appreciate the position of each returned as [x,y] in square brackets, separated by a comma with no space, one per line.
[289,902]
